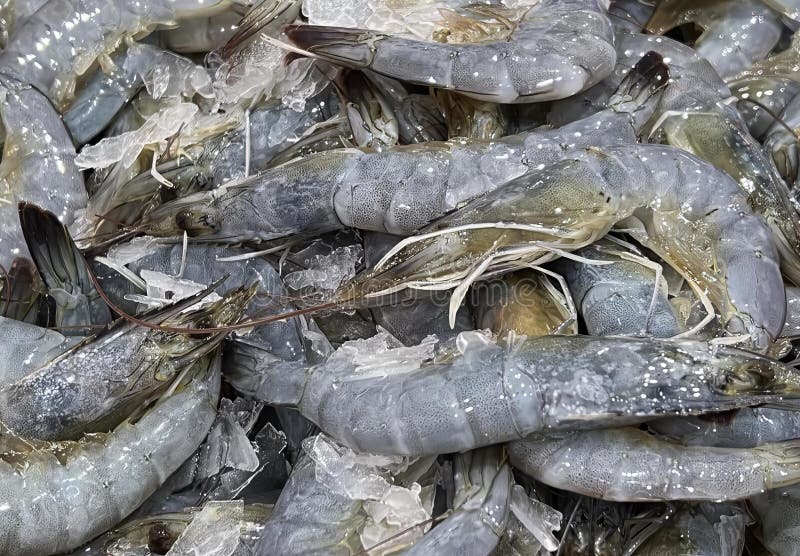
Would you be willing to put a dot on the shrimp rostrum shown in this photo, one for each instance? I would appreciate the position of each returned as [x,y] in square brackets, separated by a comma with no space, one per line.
[559,48]
[488,395]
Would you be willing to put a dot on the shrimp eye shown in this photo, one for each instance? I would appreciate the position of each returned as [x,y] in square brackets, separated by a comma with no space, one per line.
[160,539]
[196,222]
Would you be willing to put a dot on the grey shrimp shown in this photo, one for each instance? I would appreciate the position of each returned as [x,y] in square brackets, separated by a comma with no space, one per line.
[75,491]
[559,48]
[488,395]
[100,382]
[661,195]
[631,465]
[398,190]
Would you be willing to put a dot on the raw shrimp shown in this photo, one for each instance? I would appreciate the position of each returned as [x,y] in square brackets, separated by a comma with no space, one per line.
[75,491]
[401,189]
[695,114]
[489,395]
[735,34]
[560,47]
[38,164]
[706,232]
[747,427]
[624,298]
[95,386]
[62,40]
[630,465]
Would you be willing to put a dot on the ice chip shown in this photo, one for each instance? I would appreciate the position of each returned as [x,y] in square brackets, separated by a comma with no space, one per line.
[126,147]
[539,518]
[398,511]
[325,273]
[214,531]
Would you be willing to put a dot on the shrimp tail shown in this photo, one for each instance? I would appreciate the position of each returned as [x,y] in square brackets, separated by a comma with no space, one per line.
[62,268]
[641,88]
[350,47]
[263,16]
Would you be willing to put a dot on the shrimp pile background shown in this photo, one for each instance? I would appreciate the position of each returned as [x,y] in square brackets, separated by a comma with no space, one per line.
[379,277]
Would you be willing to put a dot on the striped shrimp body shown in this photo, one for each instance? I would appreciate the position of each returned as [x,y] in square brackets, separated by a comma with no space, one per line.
[75,491]
[401,189]
[630,465]
[487,395]
[665,198]
[559,47]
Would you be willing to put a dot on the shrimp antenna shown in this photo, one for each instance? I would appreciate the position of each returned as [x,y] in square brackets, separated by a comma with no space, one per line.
[567,526]
[772,114]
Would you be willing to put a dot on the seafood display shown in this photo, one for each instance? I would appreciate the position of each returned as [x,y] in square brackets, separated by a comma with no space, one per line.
[510,277]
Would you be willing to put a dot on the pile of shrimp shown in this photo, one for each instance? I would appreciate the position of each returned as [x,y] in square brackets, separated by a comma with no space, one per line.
[509,277]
